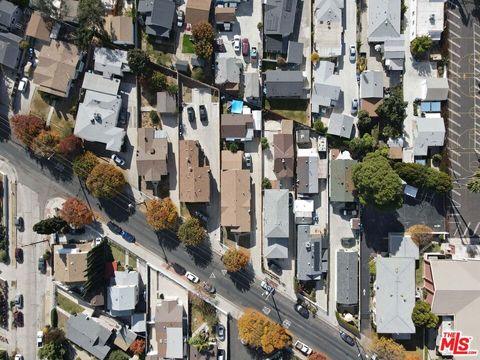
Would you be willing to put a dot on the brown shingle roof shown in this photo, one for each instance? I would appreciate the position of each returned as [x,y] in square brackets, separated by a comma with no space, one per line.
[232,161]
[225,14]
[152,153]
[197,11]
[166,103]
[194,179]
[37,27]
[168,315]
[235,200]
[120,28]
[70,262]
[283,155]
[236,125]
[371,105]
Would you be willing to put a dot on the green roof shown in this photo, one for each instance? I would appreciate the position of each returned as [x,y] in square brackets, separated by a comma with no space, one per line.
[341,183]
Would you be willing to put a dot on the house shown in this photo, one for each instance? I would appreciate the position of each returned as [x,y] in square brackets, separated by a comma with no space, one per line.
[284,84]
[302,138]
[295,53]
[120,29]
[278,24]
[456,301]
[347,280]
[98,83]
[307,171]
[170,330]
[122,294]
[312,253]
[283,155]
[68,9]
[152,154]
[198,11]
[341,182]
[394,53]
[37,28]
[158,16]
[10,52]
[235,200]
[340,125]
[434,89]
[57,58]
[384,18]
[394,298]
[70,263]
[237,127]
[97,119]
[371,84]
[124,337]
[428,132]
[402,245]
[166,103]
[304,210]
[326,86]
[110,62]
[232,161]
[276,223]
[252,86]
[88,334]
[227,72]
[11,17]
[427,18]
[194,176]
[225,18]
[328,19]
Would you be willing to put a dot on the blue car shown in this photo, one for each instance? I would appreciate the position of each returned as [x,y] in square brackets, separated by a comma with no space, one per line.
[127,236]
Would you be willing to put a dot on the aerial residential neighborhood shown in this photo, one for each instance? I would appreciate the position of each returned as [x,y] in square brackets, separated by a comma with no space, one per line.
[239,179]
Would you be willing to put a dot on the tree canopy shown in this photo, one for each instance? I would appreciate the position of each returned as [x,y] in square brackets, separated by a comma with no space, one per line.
[191,232]
[235,259]
[274,337]
[318,356]
[391,115]
[138,62]
[26,127]
[84,164]
[50,225]
[421,234]
[137,347]
[420,46]
[203,37]
[90,15]
[425,177]
[387,348]
[364,122]
[52,351]
[45,144]
[199,341]
[70,145]
[422,315]
[376,183]
[54,335]
[474,183]
[105,181]
[359,147]
[162,214]
[76,213]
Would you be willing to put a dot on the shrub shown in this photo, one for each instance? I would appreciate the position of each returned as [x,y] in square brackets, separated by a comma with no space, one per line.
[266,184]
[154,118]
[320,127]
[233,147]
[264,142]
[314,57]
[54,317]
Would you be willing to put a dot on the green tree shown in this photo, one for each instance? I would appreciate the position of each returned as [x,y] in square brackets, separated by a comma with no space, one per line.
[50,225]
[199,341]
[438,181]
[54,335]
[377,183]
[54,317]
[320,127]
[138,62]
[191,232]
[90,15]
[233,147]
[84,164]
[198,74]
[264,142]
[364,122]
[420,46]
[158,82]
[266,184]
[391,114]
[154,118]
[105,181]
[422,315]
[52,351]
[118,355]
[359,147]
[421,176]
[474,183]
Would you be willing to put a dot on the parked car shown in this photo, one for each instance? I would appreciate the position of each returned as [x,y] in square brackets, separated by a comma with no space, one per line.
[201,216]
[180,18]
[277,269]
[42,266]
[353,53]
[180,129]
[347,338]
[19,255]
[245,47]
[302,310]
[221,332]
[236,43]
[179,269]
[267,287]
[253,52]
[19,224]
[304,349]
[114,228]
[220,354]
[22,85]
[99,239]
[118,160]
[76,230]
[192,277]
[354,106]
[203,113]
[248,160]
[209,287]
[19,301]
[191,114]
[18,357]
[18,318]
[127,236]
[39,338]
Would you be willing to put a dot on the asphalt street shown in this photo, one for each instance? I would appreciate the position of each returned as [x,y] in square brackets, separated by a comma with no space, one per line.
[52,178]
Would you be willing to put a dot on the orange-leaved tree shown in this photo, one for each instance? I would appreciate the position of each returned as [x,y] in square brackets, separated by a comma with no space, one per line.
[26,127]
[318,356]
[76,213]
[45,144]
[105,181]
[137,347]
[70,145]
[235,259]
[162,214]
[274,337]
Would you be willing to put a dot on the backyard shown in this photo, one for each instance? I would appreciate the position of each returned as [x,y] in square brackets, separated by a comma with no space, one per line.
[187,44]
[68,305]
[293,109]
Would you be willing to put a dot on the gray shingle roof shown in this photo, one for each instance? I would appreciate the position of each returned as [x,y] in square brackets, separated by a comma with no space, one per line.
[279,18]
[429,132]
[341,125]
[394,48]
[227,70]
[9,50]
[159,18]
[402,245]
[295,52]
[7,12]
[275,44]
[287,84]
[89,335]
[307,171]
[329,10]
[276,223]
[312,254]
[326,87]
[394,295]
[371,84]
[341,183]
[347,277]
[383,20]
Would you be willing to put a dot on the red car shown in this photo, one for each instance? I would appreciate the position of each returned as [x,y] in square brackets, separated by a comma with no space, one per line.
[245,47]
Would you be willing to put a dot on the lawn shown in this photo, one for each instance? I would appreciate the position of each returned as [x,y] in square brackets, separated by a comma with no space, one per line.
[118,253]
[157,56]
[38,106]
[132,261]
[187,45]
[197,318]
[68,305]
[294,109]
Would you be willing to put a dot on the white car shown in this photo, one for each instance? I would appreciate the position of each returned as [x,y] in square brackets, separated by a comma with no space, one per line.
[39,338]
[192,277]
[353,53]
[118,160]
[22,85]
[267,287]
[236,43]
[18,357]
[304,349]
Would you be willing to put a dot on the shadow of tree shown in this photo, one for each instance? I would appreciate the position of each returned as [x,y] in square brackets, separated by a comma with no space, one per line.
[243,279]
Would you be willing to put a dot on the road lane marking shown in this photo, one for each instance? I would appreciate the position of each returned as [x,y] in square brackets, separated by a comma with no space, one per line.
[456,192]
[453,131]
[454,53]
[450,40]
[212,276]
[266,310]
[455,93]
[286,323]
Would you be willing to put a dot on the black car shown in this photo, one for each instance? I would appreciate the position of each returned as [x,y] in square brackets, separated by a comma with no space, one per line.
[203,113]
[18,318]
[347,338]
[19,255]
[221,332]
[19,224]
[42,266]
[191,114]
[277,269]
[302,310]
[114,228]
[179,269]
[221,354]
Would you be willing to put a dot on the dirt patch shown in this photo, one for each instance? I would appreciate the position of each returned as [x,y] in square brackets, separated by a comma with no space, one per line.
[147,121]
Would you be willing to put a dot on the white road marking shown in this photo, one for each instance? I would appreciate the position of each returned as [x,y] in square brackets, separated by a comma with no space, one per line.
[453,131]
[450,21]
[455,93]
[286,323]
[266,310]
[456,192]
[455,162]
[212,276]
[455,103]
[465,232]
[455,152]
[450,12]
[454,53]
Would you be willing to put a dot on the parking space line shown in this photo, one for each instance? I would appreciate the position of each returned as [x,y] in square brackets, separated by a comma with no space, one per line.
[454,122]
[457,114]
[450,40]
[455,152]
[455,103]
[450,21]
[455,162]
[454,53]
[450,12]
[455,93]
[453,131]
[456,192]
[456,75]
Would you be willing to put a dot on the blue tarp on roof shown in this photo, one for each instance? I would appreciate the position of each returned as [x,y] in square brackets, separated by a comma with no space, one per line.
[237,107]
[430,106]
